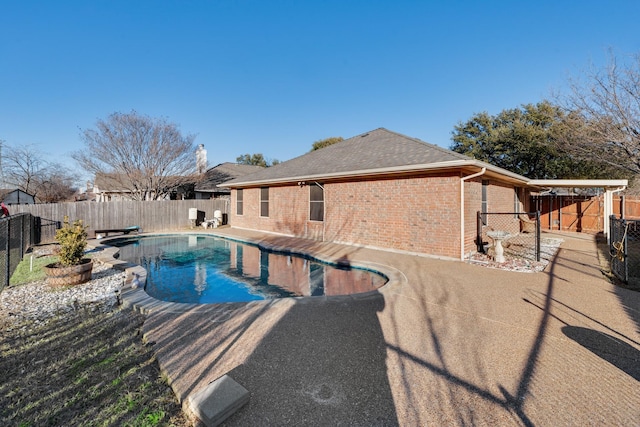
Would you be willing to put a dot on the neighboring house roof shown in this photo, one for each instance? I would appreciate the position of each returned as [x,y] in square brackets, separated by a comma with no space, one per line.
[16,196]
[378,152]
[109,182]
[222,173]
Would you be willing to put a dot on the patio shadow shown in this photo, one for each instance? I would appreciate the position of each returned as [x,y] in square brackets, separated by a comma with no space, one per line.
[613,350]
[323,363]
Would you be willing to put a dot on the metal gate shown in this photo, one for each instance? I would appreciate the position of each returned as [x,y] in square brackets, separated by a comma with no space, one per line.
[624,248]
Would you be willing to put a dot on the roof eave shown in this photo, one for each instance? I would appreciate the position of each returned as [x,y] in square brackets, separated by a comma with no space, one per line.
[452,164]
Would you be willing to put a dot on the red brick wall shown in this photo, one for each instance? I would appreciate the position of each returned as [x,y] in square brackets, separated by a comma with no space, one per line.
[415,214]
[411,214]
[288,212]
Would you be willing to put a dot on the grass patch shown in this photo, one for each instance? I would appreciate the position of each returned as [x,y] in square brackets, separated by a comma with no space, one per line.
[30,270]
[89,369]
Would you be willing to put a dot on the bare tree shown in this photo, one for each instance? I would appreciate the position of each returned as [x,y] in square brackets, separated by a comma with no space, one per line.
[605,108]
[55,185]
[148,157]
[24,168]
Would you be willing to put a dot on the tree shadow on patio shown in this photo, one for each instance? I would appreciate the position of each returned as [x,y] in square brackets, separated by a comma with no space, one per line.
[324,362]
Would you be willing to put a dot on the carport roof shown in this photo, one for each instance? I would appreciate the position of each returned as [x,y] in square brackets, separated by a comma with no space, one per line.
[579,183]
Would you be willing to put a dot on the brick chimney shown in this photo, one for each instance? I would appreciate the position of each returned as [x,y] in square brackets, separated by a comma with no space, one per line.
[201,159]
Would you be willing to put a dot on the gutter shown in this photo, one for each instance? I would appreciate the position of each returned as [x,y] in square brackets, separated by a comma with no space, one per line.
[462,181]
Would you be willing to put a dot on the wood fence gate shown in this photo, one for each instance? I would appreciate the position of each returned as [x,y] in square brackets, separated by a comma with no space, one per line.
[582,214]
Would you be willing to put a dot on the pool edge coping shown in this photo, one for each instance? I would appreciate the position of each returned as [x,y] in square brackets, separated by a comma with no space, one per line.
[136,297]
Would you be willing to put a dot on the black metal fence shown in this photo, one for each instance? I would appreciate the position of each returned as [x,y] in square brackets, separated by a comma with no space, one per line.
[522,231]
[16,236]
[624,248]
[44,229]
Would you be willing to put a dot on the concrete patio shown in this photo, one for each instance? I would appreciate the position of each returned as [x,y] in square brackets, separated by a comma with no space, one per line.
[444,343]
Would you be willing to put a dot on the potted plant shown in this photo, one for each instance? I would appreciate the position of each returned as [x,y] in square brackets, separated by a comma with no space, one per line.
[72,267]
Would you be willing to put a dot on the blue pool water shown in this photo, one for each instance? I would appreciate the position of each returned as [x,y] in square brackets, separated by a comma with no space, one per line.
[206,269]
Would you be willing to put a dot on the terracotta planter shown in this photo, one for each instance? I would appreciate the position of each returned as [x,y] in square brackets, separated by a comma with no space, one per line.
[59,275]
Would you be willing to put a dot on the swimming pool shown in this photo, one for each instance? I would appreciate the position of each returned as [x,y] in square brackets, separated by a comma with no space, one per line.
[207,269]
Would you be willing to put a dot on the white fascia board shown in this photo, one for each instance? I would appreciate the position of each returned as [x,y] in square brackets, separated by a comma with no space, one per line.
[579,183]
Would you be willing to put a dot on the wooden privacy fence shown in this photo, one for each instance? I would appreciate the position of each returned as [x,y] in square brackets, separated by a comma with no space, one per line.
[151,216]
[583,214]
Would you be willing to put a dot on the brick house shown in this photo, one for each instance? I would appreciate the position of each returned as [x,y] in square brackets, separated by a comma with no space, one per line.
[379,189]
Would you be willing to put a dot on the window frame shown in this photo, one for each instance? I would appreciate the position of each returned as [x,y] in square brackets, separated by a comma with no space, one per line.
[239,202]
[264,202]
[319,203]
[517,192]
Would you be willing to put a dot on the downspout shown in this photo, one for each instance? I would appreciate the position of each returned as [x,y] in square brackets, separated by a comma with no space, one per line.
[608,209]
[462,180]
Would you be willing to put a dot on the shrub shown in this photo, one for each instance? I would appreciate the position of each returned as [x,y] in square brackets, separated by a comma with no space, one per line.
[73,241]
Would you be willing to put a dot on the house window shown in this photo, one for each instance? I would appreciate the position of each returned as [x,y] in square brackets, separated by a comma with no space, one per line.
[516,200]
[316,203]
[264,201]
[239,202]
[485,204]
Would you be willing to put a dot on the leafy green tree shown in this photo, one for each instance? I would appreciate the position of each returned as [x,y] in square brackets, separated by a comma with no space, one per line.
[256,159]
[326,142]
[526,141]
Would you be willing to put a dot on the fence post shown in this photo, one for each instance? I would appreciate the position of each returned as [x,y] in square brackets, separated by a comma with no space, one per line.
[7,251]
[22,234]
[625,239]
[37,231]
[479,245]
[538,230]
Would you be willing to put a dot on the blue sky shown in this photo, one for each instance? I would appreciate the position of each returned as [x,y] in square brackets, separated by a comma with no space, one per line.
[272,77]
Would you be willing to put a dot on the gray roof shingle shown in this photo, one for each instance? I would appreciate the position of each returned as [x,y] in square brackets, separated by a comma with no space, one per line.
[377,149]
[222,173]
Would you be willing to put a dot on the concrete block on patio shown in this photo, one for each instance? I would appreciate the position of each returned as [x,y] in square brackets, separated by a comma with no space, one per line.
[218,400]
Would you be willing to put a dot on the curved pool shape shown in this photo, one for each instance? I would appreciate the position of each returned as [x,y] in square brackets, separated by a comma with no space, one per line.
[207,269]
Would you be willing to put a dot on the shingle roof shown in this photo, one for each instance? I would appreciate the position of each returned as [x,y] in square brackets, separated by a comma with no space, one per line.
[374,150]
[222,173]
[110,182]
